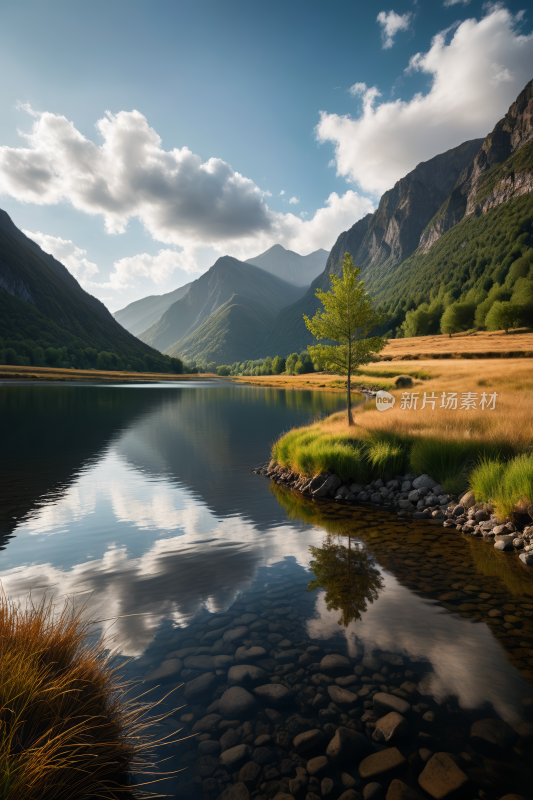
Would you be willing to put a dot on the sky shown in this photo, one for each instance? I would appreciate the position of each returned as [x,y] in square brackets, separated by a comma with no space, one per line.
[140,141]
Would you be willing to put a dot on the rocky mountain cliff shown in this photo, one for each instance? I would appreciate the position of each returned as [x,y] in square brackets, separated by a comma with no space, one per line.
[483,184]
[380,241]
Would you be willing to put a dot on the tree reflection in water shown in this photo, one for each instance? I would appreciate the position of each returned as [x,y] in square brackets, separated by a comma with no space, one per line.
[348,576]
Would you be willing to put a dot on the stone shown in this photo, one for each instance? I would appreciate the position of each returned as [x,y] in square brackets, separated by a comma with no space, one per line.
[373,791]
[491,736]
[235,635]
[468,500]
[335,662]
[249,774]
[398,790]
[288,656]
[330,484]
[232,757]
[244,655]
[273,694]
[223,662]
[237,703]
[379,763]
[309,740]
[246,675]
[169,667]
[205,724]
[202,663]
[350,794]
[239,791]
[504,542]
[264,755]
[413,496]
[347,745]
[341,697]
[383,703]
[201,686]
[375,497]
[316,765]
[441,776]
[297,785]
[326,786]
[391,728]
[229,739]
[424,482]
[209,748]
[526,558]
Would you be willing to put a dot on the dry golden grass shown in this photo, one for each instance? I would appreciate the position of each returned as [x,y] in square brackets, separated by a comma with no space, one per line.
[8,372]
[511,421]
[475,342]
[65,731]
[318,381]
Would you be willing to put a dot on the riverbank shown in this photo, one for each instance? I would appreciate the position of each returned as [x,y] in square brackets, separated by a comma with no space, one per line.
[41,374]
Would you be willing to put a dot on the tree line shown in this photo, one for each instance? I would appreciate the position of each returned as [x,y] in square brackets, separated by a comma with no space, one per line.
[295,364]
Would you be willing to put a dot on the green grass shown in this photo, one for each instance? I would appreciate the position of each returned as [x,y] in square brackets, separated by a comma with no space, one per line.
[506,485]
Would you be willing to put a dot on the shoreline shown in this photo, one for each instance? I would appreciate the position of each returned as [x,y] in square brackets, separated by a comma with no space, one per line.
[448,511]
[37,375]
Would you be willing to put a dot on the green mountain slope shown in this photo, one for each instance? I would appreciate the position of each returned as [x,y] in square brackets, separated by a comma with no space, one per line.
[291,266]
[141,314]
[42,306]
[225,279]
[235,332]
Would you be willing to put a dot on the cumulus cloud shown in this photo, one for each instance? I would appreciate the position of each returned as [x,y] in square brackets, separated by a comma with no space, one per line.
[282,192]
[391,23]
[475,76]
[455,2]
[181,200]
[72,257]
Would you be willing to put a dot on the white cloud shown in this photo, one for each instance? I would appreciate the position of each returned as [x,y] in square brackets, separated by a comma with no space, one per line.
[65,251]
[475,77]
[391,23]
[282,192]
[448,3]
[181,200]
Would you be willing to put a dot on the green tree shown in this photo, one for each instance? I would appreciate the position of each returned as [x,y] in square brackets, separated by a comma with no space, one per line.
[502,316]
[224,370]
[347,318]
[457,317]
[278,365]
[290,364]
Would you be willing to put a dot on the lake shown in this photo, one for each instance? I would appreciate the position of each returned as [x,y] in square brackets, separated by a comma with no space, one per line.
[138,502]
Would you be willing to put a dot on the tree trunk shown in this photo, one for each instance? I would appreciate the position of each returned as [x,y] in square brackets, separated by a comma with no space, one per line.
[349,398]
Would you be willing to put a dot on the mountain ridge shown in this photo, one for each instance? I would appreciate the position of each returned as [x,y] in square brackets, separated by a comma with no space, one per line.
[291,266]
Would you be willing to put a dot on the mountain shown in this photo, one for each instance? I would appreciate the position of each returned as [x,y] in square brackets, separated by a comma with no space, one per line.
[141,314]
[291,266]
[228,309]
[380,241]
[501,171]
[43,306]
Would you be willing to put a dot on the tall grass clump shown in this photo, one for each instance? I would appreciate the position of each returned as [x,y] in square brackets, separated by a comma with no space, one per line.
[387,456]
[447,461]
[66,730]
[507,486]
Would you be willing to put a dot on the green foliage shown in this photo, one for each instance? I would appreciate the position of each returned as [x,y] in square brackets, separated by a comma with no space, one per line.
[506,485]
[347,317]
[458,317]
[502,316]
[278,365]
[223,370]
[387,456]
[449,461]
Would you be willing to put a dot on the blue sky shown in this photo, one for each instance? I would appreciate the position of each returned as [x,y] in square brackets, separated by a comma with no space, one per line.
[242,84]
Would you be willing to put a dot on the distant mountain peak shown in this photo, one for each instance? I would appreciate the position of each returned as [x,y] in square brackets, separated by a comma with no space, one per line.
[290,266]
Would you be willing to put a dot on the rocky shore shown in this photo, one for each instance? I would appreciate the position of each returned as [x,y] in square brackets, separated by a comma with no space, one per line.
[419,498]
[274,715]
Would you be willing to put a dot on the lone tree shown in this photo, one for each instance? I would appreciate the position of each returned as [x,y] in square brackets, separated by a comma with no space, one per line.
[347,318]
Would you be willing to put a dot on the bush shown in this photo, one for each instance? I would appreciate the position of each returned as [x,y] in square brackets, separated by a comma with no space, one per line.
[502,316]
[458,317]
[448,462]
[224,370]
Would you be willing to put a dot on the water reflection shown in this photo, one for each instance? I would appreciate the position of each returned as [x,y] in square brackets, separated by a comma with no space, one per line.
[347,575]
[412,625]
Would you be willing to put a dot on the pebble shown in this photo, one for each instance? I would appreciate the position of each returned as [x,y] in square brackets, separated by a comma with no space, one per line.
[441,776]
[383,703]
[380,763]
[237,703]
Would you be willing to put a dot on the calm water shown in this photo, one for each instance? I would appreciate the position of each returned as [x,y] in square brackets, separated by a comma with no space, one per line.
[139,502]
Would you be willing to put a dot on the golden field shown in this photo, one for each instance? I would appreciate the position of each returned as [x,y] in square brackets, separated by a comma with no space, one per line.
[8,372]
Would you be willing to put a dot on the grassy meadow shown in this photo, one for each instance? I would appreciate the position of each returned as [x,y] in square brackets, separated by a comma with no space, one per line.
[487,450]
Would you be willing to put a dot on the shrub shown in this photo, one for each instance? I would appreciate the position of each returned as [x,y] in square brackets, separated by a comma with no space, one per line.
[502,316]
[448,462]
[507,486]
